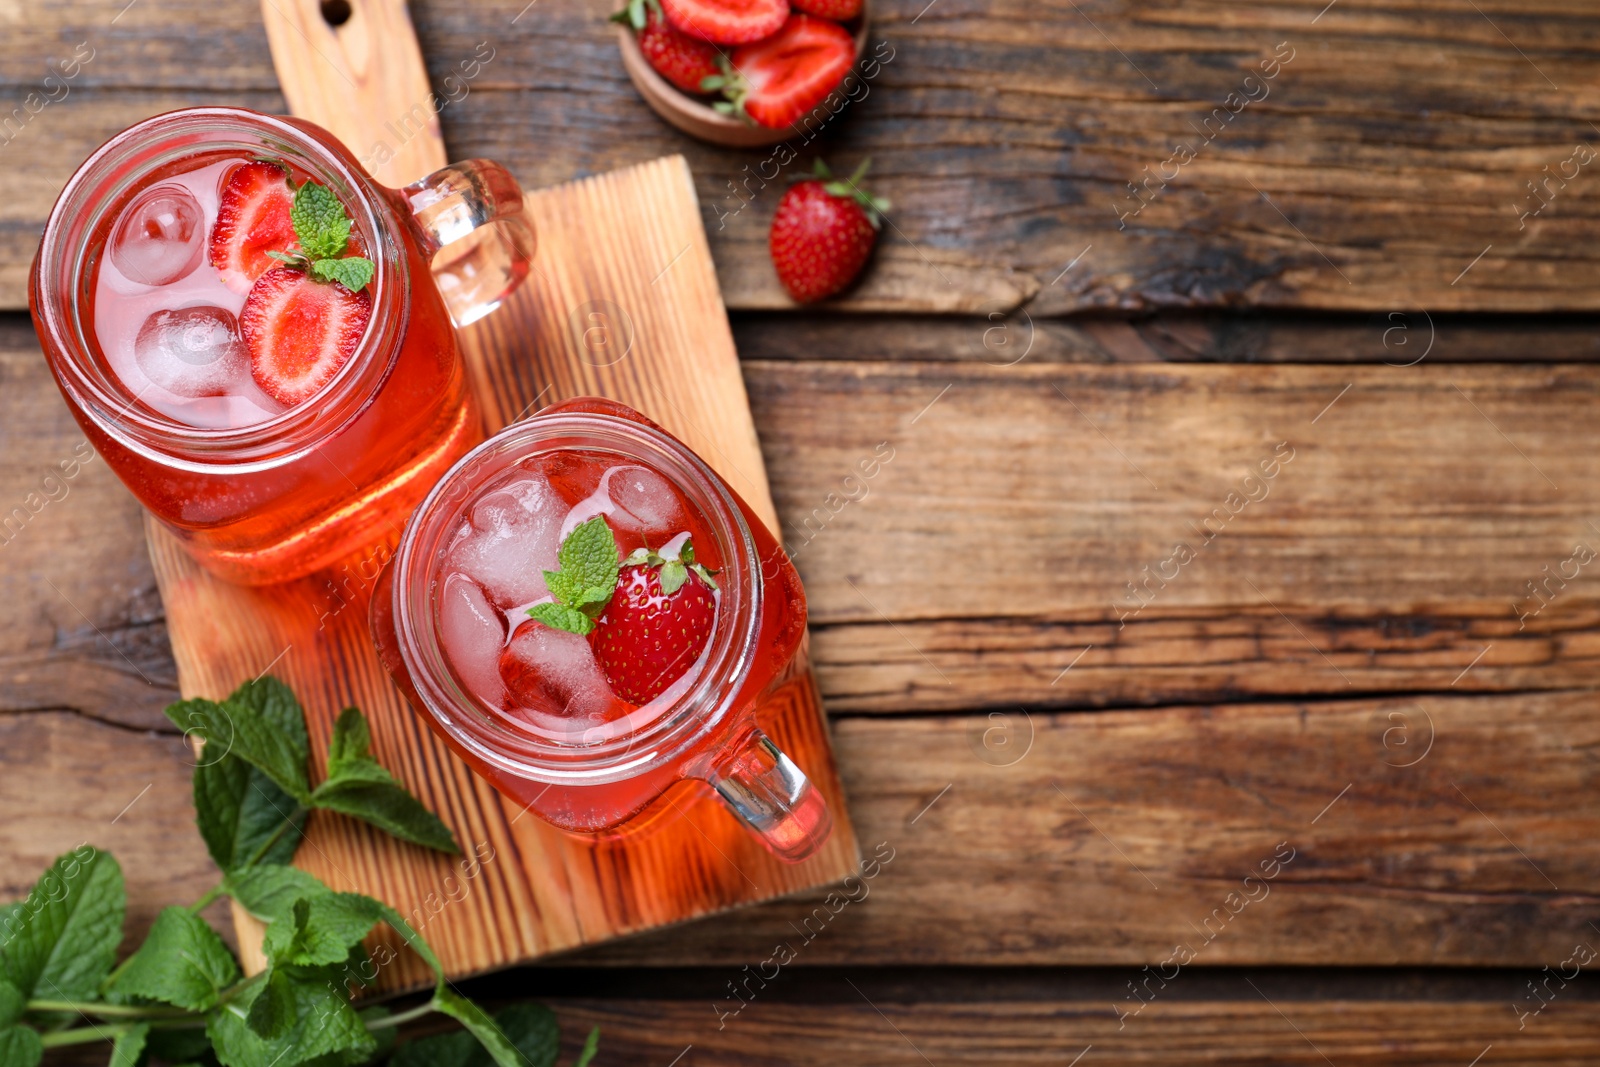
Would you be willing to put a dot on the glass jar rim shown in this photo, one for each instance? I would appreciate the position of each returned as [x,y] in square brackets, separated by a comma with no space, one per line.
[709,700]
[120,165]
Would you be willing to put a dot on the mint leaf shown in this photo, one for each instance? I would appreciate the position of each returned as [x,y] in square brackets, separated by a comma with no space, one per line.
[360,786]
[275,702]
[61,942]
[269,892]
[591,1046]
[589,554]
[586,581]
[530,1028]
[129,1046]
[322,929]
[352,272]
[20,1047]
[320,221]
[261,723]
[386,805]
[272,1011]
[239,810]
[351,740]
[12,1003]
[478,1023]
[179,1046]
[561,617]
[324,1025]
[182,962]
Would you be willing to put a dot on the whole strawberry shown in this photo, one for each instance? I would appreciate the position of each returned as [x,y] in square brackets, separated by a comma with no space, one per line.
[656,625]
[683,60]
[823,232]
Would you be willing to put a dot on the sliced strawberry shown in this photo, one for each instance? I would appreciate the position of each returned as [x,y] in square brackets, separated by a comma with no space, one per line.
[300,331]
[837,10]
[776,82]
[727,21]
[252,220]
[646,638]
[683,60]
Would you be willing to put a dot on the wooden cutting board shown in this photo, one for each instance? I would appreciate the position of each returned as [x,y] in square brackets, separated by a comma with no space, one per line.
[621,253]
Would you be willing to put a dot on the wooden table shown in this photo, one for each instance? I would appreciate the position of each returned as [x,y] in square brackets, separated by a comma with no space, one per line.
[1077,738]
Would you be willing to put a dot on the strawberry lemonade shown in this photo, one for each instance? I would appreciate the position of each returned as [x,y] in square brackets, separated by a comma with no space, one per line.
[247,328]
[589,615]
[575,602]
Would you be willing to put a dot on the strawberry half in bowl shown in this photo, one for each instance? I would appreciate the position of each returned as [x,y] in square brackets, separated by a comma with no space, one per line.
[741,73]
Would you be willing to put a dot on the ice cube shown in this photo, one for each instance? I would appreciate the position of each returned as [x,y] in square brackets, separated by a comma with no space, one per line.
[160,236]
[192,351]
[554,673]
[644,501]
[473,634]
[516,532]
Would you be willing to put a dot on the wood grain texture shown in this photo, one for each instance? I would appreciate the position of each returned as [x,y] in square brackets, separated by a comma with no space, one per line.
[1440,863]
[1398,544]
[1400,144]
[1036,1034]
[541,890]
[363,80]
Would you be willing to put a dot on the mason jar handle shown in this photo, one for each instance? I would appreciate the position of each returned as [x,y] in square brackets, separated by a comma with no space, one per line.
[472,220]
[773,797]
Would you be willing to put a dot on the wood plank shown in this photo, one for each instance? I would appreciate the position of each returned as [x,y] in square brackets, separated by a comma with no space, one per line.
[811,1015]
[1398,544]
[1395,338]
[1174,1034]
[1044,862]
[1400,147]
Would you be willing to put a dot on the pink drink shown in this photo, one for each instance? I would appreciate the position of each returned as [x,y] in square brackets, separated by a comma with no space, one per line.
[534,708]
[165,319]
[544,682]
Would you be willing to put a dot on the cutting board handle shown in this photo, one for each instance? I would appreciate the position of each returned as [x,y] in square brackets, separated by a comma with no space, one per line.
[354,68]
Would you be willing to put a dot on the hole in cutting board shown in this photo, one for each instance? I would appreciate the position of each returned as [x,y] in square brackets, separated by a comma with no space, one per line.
[336,12]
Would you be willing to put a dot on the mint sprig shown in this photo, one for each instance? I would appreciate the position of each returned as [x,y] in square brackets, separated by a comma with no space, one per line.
[587,577]
[181,996]
[322,227]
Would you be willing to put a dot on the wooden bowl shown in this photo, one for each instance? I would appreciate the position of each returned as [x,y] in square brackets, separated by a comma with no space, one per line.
[697,118]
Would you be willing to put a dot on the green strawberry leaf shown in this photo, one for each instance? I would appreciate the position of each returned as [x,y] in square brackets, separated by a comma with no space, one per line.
[61,942]
[561,617]
[129,1046]
[182,962]
[355,273]
[320,221]
[241,814]
[20,1047]
[673,575]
